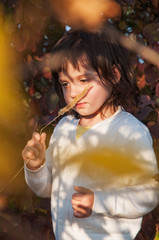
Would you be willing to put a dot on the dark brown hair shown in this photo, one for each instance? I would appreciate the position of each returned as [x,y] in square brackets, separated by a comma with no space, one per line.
[103,52]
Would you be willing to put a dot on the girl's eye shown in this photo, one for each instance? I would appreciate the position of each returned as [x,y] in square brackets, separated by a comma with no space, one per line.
[84,80]
[64,84]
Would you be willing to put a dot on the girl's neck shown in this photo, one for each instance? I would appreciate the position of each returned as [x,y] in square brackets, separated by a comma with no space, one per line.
[91,120]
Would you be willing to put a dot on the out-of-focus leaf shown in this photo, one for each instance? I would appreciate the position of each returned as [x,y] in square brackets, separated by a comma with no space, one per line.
[156,46]
[141,68]
[29,58]
[1,14]
[32,42]
[51,100]
[31,91]
[144,112]
[33,14]
[151,74]
[122,25]
[157,90]
[151,32]
[155,3]
[158,116]
[141,81]
[38,3]
[9,3]
[146,100]
[9,24]
[17,15]
[47,73]
[29,13]
[11,108]
[41,211]
[3,201]
[105,159]
[129,2]
[154,130]
[85,14]
[38,58]
[20,39]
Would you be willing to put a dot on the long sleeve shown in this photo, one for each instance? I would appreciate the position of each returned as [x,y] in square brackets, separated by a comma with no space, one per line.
[39,181]
[128,202]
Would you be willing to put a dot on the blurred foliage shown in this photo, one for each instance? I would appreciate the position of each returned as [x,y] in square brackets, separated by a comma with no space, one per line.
[28,32]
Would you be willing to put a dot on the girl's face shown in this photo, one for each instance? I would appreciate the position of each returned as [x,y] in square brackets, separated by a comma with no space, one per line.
[73,81]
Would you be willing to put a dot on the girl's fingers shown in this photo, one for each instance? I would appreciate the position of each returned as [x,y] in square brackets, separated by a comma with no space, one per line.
[33,165]
[31,153]
[82,190]
[75,202]
[78,214]
[43,139]
[35,144]
[39,139]
[77,196]
[81,210]
[36,136]
[34,152]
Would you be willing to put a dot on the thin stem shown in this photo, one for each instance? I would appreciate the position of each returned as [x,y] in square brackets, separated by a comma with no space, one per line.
[12,179]
[48,124]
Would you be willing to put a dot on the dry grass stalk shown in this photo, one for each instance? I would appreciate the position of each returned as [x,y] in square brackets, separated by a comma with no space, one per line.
[75,101]
[70,105]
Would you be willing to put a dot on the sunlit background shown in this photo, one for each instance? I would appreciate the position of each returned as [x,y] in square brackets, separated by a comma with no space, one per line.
[12,110]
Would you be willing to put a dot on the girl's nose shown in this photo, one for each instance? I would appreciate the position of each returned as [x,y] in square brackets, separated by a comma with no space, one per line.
[74,91]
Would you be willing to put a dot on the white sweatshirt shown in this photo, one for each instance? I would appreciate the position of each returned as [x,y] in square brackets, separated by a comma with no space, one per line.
[120,202]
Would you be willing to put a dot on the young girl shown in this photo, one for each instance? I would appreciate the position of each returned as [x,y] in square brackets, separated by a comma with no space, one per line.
[92,204]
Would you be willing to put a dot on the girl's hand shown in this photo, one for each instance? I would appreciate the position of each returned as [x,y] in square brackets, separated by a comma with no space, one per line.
[82,202]
[34,151]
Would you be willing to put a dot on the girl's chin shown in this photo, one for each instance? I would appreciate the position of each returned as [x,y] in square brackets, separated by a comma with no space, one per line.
[85,115]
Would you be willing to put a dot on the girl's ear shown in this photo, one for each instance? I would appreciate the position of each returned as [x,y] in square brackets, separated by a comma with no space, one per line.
[117,74]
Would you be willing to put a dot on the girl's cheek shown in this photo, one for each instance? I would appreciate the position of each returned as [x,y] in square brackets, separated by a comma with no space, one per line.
[66,97]
[90,91]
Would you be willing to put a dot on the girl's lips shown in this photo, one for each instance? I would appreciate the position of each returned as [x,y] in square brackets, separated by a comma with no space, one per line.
[80,105]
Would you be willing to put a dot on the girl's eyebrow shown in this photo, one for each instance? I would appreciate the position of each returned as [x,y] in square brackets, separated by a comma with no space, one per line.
[87,74]
[83,75]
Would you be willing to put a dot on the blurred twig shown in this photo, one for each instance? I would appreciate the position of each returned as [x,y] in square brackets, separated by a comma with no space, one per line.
[145,52]
[130,43]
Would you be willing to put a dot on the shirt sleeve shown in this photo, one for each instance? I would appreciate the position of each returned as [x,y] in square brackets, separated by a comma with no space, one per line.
[135,200]
[128,202]
[40,180]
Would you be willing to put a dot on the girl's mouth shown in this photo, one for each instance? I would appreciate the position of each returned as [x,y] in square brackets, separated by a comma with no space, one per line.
[80,105]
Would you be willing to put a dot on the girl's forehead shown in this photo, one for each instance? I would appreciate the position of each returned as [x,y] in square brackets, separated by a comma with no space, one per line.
[80,65]
[77,70]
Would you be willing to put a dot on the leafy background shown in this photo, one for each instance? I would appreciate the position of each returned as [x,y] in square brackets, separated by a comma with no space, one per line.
[28,32]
